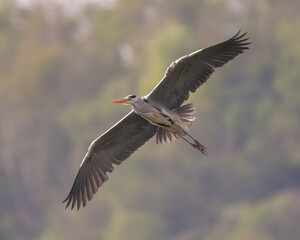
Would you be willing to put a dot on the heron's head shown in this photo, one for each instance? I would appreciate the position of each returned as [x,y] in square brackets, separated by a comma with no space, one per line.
[130,99]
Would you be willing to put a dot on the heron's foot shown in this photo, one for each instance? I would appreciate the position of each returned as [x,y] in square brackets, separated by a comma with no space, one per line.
[200,147]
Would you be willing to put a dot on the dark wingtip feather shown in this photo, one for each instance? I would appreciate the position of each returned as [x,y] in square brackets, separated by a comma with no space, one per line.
[238,33]
[73,202]
[240,38]
[68,198]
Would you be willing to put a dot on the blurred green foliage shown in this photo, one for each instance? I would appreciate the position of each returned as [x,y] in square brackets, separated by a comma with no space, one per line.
[59,70]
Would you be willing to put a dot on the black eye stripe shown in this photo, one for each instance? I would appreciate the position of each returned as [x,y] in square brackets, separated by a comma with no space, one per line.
[132,96]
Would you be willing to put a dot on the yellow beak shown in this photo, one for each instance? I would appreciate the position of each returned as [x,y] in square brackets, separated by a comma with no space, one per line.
[122,100]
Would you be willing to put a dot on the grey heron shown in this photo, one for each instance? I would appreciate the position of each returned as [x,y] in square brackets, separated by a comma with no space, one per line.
[160,112]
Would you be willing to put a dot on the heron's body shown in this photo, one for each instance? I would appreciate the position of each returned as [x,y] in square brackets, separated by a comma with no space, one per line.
[153,113]
[159,115]
[160,112]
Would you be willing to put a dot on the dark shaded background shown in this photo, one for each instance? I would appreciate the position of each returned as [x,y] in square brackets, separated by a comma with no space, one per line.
[60,66]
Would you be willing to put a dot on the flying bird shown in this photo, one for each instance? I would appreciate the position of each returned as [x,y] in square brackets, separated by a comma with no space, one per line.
[160,112]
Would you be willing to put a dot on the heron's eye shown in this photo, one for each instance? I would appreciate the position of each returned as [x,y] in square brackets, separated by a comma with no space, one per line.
[132,96]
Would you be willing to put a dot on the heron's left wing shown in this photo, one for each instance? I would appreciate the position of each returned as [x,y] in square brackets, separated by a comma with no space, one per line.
[112,147]
[189,72]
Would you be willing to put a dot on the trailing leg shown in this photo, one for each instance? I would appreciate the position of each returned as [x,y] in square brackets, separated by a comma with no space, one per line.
[196,144]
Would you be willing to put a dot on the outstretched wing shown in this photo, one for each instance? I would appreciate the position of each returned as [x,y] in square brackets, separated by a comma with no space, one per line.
[191,71]
[112,147]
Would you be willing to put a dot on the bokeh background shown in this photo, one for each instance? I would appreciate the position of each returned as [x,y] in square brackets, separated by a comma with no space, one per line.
[62,62]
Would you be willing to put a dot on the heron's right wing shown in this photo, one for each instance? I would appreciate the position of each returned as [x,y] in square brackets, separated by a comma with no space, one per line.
[189,72]
[112,147]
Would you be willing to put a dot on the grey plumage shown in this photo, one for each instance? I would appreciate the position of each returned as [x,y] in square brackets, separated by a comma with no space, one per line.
[112,147]
[186,114]
[191,71]
[159,112]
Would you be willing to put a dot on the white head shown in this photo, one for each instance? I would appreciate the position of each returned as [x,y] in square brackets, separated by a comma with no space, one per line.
[130,99]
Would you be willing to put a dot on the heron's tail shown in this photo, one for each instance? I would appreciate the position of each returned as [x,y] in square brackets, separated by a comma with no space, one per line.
[187,116]
[186,113]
